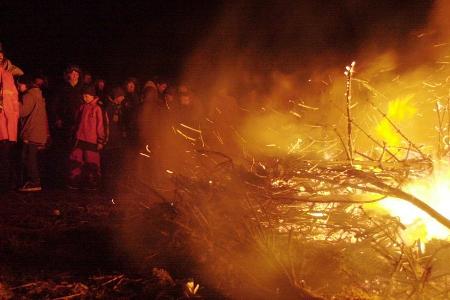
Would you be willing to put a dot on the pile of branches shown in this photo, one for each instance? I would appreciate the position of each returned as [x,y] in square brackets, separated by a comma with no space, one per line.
[296,229]
[293,228]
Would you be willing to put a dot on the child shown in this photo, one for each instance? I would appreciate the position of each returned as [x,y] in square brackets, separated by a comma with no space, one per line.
[34,132]
[91,136]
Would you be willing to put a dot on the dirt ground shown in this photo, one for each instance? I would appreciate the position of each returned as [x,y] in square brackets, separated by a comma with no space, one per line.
[87,245]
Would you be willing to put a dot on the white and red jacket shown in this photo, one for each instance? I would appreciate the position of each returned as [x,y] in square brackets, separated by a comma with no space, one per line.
[92,124]
[9,112]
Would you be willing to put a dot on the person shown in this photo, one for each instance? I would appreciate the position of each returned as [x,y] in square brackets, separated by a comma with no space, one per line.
[161,85]
[69,99]
[149,92]
[9,115]
[131,105]
[100,88]
[91,136]
[87,78]
[65,106]
[112,155]
[7,65]
[34,132]
[190,111]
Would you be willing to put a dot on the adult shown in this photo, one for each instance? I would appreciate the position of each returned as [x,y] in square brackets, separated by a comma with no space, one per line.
[100,88]
[66,104]
[131,105]
[68,101]
[9,115]
[87,78]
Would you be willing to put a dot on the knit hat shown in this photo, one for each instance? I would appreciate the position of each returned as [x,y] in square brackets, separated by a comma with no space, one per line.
[89,90]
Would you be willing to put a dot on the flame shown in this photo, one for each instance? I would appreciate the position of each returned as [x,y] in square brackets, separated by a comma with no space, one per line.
[400,110]
[435,191]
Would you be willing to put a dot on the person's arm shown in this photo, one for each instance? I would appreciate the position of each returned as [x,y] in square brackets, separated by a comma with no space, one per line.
[14,70]
[102,128]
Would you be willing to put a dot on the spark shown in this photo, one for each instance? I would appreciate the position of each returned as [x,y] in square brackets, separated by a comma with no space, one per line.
[186,136]
[440,45]
[307,107]
[219,138]
[190,128]
[295,114]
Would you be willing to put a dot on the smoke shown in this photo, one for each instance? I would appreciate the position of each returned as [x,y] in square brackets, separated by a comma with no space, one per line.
[277,57]
[270,79]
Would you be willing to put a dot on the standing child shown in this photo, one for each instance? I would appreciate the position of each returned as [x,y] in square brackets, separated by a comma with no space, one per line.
[91,136]
[34,132]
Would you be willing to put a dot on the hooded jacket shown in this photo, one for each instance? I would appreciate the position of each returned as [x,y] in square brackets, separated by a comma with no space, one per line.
[92,124]
[9,111]
[33,116]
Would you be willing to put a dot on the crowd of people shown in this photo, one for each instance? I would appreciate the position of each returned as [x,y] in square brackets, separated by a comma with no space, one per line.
[83,125]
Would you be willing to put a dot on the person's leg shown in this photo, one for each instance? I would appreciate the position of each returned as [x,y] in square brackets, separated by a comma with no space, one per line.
[76,167]
[32,164]
[92,168]
[31,174]
[4,165]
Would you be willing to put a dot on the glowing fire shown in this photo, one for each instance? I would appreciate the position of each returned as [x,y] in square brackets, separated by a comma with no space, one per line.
[435,191]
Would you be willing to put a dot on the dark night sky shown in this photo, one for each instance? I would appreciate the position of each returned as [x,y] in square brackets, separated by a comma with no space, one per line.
[121,38]
[108,37]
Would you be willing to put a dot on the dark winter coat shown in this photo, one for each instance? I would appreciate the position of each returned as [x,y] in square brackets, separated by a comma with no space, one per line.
[33,117]
[67,103]
[117,126]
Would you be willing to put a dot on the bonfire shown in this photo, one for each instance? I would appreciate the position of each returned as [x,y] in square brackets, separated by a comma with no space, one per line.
[358,222]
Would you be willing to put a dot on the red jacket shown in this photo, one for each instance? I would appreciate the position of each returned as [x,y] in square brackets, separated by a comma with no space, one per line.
[9,113]
[92,124]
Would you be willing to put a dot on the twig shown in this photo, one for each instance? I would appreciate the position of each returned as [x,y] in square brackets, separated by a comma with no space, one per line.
[112,280]
[385,116]
[348,96]
[343,144]
[69,297]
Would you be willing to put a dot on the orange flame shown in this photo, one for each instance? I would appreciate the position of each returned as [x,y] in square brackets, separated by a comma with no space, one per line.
[435,191]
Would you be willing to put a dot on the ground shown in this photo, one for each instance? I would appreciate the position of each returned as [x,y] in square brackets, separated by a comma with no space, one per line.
[59,243]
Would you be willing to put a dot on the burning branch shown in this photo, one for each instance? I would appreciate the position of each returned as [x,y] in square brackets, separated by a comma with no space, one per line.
[348,97]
